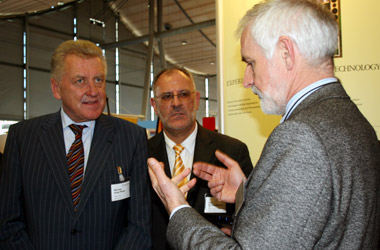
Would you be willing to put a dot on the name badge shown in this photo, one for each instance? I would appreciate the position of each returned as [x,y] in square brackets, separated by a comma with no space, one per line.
[212,205]
[120,191]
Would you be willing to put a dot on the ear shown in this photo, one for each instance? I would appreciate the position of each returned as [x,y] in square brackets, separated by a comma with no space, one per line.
[55,88]
[153,103]
[286,50]
[197,98]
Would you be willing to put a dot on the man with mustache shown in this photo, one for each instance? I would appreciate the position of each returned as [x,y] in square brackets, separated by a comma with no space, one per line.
[176,102]
[316,184]
[75,179]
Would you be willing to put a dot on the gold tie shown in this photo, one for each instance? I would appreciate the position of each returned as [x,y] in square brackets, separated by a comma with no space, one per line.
[178,165]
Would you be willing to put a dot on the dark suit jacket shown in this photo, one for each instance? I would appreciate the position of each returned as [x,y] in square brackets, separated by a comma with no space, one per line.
[207,142]
[36,210]
[315,186]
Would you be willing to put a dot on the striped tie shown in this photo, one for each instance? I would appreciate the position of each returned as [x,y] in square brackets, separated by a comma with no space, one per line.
[178,165]
[75,161]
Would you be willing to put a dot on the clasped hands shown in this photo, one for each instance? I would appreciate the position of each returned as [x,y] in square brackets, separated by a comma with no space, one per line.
[223,182]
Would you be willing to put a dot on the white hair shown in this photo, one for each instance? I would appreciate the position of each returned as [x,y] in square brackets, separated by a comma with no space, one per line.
[310,25]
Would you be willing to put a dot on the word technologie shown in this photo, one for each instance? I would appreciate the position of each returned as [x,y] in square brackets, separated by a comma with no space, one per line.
[357,67]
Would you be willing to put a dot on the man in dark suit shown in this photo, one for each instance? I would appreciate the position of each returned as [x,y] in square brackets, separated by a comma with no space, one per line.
[176,102]
[316,184]
[81,186]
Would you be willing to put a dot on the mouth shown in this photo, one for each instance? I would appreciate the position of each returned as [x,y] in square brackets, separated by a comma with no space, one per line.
[177,114]
[90,102]
[256,91]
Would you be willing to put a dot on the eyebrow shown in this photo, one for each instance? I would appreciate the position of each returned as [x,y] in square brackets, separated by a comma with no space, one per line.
[181,90]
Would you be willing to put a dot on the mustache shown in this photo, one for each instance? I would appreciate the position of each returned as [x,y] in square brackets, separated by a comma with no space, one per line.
[177,109]
[86,98]
[257,92]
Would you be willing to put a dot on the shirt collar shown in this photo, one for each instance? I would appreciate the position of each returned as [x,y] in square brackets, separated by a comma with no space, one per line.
[301,95]
[66,121]
[188,143]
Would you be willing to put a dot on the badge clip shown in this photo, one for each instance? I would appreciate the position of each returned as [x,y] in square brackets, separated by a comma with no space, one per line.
[120,172]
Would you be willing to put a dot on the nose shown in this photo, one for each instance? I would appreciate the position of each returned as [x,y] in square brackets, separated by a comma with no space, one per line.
[248,80]
[175,100]
[92,89]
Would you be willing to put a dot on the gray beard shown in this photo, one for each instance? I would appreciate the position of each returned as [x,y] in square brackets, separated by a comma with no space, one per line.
[268,104]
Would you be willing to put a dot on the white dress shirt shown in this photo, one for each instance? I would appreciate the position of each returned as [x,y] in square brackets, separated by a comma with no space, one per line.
[187,154]
[69,135]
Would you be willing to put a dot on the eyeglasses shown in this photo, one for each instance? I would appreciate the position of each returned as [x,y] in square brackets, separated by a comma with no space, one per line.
[183,96]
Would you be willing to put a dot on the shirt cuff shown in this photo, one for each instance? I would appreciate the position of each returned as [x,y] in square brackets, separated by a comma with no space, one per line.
[176,209]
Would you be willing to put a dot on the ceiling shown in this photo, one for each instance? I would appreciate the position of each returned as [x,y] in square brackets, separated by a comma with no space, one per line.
[12,7]
[182,43]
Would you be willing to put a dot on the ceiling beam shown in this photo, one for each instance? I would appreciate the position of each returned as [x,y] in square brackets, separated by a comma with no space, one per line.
[145,100]
[167,33]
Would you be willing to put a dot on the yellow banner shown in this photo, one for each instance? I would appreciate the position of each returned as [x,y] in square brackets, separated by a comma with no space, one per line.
[357,66]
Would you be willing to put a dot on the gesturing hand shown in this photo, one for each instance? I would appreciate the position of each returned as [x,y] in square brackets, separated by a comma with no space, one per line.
[170,195]
[223,183]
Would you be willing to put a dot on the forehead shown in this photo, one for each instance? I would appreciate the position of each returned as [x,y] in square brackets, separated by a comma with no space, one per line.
[250,50]
[77,63]
[174,80]
[249,46]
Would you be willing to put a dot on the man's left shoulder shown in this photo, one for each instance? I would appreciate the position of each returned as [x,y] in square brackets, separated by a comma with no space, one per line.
[222,138]
[119,122]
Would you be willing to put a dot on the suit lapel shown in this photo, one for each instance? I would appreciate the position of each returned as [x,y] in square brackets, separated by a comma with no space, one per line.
[160,152]
[203,151]
[52,142]
[101,146]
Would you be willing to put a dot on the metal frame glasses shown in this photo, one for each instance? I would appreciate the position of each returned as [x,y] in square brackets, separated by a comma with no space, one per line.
[183,96]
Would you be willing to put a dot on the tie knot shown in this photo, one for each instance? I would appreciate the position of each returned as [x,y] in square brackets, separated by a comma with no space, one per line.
[178,148]
[77,129]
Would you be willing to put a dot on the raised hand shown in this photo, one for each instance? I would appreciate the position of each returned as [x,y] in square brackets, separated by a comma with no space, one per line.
[223,183]
[170,195]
